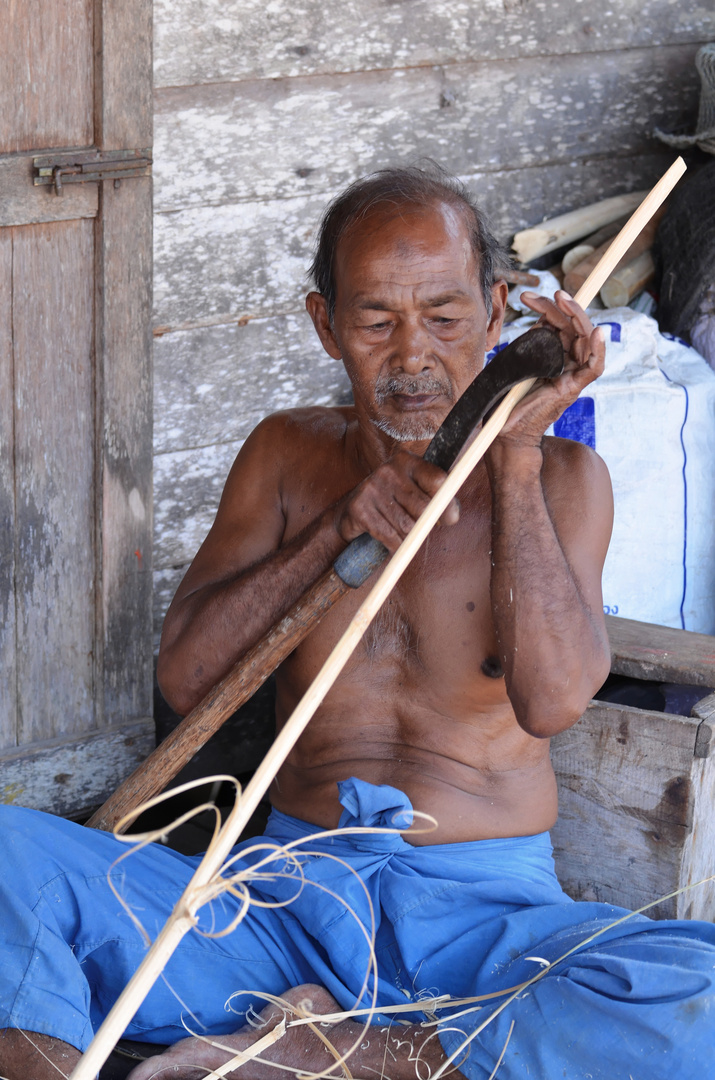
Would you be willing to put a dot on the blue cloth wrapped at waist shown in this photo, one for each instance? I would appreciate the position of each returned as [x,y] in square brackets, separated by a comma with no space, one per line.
[450,919]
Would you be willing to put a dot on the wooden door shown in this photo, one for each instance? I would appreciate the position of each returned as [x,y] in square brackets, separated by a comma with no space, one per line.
[75,406]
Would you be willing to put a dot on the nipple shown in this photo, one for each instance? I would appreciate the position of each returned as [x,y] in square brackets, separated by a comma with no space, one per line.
[491,667]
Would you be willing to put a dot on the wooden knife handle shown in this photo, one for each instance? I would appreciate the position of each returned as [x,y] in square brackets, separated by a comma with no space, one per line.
[236,687]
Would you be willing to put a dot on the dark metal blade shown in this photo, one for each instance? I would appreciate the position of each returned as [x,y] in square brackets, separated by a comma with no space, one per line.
[537,354]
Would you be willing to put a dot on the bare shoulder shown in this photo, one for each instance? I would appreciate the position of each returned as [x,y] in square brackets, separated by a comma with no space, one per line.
[266,466]
[275,443]
[572,468]
[315,420]
[252,516]
[577,487]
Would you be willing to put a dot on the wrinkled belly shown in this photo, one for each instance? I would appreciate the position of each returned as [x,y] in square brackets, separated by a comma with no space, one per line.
[476,783]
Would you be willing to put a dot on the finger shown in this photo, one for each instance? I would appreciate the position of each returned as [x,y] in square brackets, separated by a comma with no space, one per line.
[385,531]
[562,312]
[590,355]
[404,509]
[575,312]
[427,476]
[549,311]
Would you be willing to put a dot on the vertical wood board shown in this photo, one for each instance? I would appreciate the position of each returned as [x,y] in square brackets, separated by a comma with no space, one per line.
[213,142]
[47,77]
[626,801]
[8,729]
[54,473]
[698,861]
[124,323]
[123,100]
[218,40]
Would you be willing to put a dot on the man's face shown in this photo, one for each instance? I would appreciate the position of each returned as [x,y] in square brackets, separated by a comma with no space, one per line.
[410,320]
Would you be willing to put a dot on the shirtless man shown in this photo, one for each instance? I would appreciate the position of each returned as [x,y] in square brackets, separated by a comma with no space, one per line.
[493,641]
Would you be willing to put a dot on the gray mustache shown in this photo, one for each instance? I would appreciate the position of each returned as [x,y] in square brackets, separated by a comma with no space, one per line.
[408,384]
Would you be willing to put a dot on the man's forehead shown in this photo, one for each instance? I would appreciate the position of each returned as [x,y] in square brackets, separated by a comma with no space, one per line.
[392,239]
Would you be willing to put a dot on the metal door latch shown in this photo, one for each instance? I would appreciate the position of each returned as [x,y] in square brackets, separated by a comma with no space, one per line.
[90,166]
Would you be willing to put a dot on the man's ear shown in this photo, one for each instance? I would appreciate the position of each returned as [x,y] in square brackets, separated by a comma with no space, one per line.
[318,311]
[500,290]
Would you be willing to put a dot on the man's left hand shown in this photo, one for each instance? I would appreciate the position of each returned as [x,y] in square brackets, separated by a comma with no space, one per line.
[585,349]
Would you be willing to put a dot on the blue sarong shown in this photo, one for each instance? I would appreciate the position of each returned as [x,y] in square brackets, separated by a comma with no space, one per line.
[458,919]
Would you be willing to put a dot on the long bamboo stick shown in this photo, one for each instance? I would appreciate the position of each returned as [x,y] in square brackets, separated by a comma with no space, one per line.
[183,916]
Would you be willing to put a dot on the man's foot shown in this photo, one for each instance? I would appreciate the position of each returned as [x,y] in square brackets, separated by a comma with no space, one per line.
[25,1055]
[193,1059]
[395,1053]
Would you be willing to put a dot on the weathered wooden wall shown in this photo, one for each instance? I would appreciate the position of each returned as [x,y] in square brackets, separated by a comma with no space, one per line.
[264,111]
[75,416]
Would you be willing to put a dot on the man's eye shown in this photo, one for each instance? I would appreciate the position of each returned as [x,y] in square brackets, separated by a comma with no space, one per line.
[377,326]
[442,321]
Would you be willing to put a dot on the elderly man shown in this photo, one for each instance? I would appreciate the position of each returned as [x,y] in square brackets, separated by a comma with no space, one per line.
[493,641]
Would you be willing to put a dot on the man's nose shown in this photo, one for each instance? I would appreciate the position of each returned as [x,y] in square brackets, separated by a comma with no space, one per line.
[413,349]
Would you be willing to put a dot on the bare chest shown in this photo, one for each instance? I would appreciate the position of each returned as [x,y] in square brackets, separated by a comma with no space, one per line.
[435,623]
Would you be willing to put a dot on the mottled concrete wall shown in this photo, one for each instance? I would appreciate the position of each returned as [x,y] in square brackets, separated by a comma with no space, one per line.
[264,110]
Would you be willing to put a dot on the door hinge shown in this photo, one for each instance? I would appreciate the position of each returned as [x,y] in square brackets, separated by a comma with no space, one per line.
[89,166]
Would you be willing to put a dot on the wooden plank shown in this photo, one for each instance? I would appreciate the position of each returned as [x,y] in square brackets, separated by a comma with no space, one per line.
[250,258]
[70,776]
[124,326]
[24,204]
[705,710]
[697,859]
[123,97]
[626,801]
[213,384]
[54,469]
[46,88]
[123,118]
[187,489]
[213,141]
[646,651]
[8,728]
[218,40]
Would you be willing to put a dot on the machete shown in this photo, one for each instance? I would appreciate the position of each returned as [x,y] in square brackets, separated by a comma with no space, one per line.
[537,354]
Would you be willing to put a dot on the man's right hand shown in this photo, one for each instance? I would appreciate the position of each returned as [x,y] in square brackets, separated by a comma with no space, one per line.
[388,502]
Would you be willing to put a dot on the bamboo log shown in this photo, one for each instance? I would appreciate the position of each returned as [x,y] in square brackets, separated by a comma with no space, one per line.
[530,244]
[182,917]
[628,280]
[581,251]
[643,242]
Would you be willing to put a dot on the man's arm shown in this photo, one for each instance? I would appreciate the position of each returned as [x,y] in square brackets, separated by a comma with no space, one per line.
[552,513]
[245,577]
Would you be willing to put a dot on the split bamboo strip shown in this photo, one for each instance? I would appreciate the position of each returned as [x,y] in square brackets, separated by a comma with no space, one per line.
[183,916]
[532,243]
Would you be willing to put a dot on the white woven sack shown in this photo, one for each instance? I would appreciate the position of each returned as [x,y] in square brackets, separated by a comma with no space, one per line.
[651,417]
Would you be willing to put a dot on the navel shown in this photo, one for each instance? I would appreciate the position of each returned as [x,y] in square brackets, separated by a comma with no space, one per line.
[491,667]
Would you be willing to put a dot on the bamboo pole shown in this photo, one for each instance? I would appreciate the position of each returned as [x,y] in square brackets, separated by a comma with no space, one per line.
[183,916]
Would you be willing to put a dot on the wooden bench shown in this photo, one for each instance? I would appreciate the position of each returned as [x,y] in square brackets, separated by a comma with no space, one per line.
[637,788]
